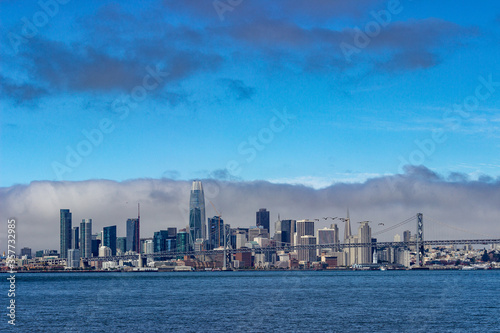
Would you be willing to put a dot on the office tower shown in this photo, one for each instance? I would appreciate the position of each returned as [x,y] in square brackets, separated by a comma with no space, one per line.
[365,236]
[26,251]
[86,238]
[159,240]
[406,236]
[347,228]
[257,232]
[241,239]
[109,238]
[305,227]
[215,232]
[172,233]
[262,219]
[197,224]
[284,231]
[148,246]
[133,241]
[397,238]
[121,245]
[65,232]
[182,241]
[75,238]
[327,236]
[307,254]
[73,260]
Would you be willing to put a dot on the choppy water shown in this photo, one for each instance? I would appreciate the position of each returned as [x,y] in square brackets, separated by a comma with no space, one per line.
[363,301]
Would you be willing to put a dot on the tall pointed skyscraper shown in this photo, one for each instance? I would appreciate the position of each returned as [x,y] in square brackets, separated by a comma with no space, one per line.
[347,230]
[197,222]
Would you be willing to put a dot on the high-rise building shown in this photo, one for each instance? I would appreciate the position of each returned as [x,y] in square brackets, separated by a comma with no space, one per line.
[133,241]
[26,251]
[364,237]
[121,245]
[327,236]
[86,238]
[164,240]
[397,238]
[65,232]
[347,228]
[197,224]
[73,260]
[109,238]
[262,219]
[182,241]
[304,228]
[307,254]
[75,238]
[406,236]
[284,231]
[215,232]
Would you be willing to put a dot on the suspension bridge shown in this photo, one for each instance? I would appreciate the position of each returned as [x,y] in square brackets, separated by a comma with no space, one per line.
[418,243]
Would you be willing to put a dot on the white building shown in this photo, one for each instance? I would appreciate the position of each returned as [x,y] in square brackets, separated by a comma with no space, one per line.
[104,251]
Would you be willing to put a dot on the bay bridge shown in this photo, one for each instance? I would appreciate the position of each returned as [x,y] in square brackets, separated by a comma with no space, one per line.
[418,244]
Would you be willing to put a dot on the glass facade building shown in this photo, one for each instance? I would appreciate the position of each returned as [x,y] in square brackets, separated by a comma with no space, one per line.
[215,232]
[197,224]
[86,238]
[133,242]
[65,232]
[109,238]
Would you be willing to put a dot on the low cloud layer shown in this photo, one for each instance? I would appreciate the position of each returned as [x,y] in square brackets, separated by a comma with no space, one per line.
[461,204]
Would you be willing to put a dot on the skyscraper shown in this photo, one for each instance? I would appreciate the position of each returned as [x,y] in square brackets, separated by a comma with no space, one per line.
[215,232]
[86,238]
[365,236]
[286,229]
[121,245]
[197,224]
[133,243]
[65,229]
[75,238]
[109,238]
[182,241]
[262,219]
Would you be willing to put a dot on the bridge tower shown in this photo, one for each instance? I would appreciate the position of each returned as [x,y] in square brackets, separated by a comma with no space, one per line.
[420,239]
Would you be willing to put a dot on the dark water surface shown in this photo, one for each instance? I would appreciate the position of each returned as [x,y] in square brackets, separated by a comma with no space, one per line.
[352,301]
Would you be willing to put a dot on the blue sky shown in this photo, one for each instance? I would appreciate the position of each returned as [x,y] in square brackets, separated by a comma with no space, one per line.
[224,82]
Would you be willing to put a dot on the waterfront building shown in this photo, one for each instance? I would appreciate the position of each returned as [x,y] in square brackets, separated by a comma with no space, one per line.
[197,224]
[133,240]
[26,251]
[262,219]
[215,232]
[73,260]
[109,238]
[86,238]
[65,232]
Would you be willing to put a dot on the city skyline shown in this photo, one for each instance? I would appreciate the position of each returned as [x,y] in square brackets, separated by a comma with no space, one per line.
[165,203]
